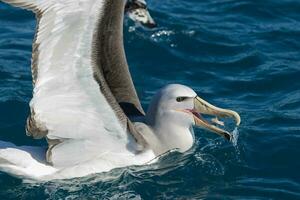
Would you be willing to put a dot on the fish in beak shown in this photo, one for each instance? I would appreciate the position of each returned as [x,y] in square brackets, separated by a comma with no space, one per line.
[203,107]
[137,11]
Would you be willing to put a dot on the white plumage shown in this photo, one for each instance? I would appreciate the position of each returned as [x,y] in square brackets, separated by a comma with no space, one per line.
[67,102]
[64,97]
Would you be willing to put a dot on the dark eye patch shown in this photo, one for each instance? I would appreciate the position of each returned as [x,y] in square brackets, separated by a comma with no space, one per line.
[180,99]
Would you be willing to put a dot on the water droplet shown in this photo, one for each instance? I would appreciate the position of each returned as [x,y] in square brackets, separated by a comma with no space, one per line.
[235,136]
[131,29]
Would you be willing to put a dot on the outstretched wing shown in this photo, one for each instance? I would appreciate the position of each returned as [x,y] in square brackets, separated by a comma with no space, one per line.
[72,104]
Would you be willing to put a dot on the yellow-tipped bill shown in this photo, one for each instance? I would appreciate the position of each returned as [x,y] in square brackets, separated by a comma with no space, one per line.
[203,107]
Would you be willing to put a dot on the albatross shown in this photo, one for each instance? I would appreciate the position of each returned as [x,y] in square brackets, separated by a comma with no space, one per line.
[85,104]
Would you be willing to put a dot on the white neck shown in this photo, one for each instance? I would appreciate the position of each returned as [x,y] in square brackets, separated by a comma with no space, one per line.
[165,136]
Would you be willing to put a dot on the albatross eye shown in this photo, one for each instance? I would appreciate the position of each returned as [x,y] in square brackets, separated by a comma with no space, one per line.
[180,99]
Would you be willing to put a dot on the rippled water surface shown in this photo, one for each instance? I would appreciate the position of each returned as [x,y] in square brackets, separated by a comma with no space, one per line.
[239,54]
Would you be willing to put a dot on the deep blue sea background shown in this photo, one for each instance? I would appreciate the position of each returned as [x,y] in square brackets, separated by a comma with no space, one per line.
[238,54]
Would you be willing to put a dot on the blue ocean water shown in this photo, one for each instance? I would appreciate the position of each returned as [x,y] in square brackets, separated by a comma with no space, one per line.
[238,54]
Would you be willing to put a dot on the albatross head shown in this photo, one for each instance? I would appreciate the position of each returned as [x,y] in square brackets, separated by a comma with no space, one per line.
[137,11]
[174,110]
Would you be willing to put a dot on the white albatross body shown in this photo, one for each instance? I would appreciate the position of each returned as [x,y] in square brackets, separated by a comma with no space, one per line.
[64,97]
[75,107]
[28,162]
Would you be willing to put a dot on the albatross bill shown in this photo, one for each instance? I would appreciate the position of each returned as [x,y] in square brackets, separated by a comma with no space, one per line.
[203,107]
[84,97]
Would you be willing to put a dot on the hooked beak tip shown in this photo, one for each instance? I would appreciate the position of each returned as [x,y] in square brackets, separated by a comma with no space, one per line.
[203,107]
[228,137]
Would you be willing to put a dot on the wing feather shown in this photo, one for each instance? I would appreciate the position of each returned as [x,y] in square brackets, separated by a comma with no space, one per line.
[67,104]
[26,4]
